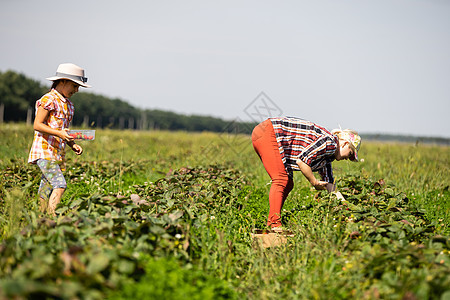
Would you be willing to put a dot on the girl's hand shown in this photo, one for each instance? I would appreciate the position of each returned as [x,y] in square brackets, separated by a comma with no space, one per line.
[77,149]
[65,136]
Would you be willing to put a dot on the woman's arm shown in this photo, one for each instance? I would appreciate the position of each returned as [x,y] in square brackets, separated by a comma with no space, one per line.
[319,185]
[308,173]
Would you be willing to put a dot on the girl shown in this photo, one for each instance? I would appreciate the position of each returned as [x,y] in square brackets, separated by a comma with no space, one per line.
[291,144]
[54,112]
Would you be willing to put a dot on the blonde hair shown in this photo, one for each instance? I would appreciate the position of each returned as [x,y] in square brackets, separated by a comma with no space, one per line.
[343,134]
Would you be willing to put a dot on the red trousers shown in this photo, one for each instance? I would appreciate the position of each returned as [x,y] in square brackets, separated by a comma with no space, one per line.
[266,146]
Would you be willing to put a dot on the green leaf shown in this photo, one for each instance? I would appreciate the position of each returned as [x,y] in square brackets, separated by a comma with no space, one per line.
[389,191]
[97,263]
[75,202]
[126,266]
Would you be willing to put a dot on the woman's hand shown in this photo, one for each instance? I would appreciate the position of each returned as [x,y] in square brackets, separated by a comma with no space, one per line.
[308,173]
[320,185]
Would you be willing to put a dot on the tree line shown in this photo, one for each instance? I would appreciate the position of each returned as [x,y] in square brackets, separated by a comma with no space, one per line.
[18,95]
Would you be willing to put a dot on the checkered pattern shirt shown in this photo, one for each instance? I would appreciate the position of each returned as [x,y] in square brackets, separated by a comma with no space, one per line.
[306,141]
[60,115]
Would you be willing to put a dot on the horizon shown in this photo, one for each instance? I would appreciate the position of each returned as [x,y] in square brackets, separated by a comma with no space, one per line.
[387,134]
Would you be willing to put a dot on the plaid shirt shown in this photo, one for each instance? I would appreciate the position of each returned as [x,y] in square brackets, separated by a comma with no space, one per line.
[303,140]
[60,115]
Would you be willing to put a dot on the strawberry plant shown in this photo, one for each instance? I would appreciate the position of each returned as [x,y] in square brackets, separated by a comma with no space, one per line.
[97,241]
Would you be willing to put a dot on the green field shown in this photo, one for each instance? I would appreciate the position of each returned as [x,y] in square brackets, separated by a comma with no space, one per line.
[169,215]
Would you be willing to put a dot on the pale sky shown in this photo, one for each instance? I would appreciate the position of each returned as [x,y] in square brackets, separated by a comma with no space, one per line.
[379,66]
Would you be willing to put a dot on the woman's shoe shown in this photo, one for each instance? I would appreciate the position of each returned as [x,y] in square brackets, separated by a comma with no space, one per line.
[278,229]
[282,230]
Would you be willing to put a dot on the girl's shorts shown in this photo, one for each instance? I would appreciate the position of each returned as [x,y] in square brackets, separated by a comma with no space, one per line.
[52,177]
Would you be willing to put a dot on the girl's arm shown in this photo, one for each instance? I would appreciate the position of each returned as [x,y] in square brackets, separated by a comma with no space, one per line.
[41,126]
[75,147]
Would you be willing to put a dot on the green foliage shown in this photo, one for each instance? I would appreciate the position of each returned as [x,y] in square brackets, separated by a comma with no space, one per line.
[141,206]
[165,278]
[95,242]
[18,93]
[102,111]
[389,242]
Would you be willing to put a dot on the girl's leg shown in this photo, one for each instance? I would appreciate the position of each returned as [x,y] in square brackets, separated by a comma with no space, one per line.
[45,189]
[54,200]
[52,173]
[266,146]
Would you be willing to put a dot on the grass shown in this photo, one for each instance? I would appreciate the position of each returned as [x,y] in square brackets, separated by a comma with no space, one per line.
[316,264]
[421,171]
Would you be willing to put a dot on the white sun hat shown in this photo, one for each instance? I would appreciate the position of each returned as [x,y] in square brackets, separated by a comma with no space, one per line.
[71,72]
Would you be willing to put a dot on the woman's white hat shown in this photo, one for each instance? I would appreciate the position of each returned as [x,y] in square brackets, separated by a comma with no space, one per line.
[71,72]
